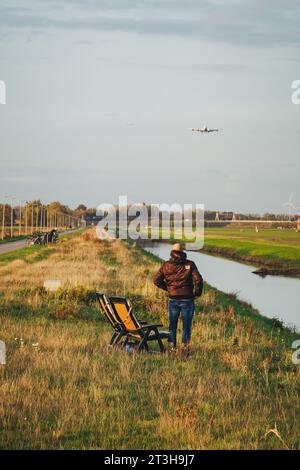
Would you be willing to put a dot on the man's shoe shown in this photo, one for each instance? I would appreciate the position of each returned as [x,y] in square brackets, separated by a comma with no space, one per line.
[172,349]
[185,351]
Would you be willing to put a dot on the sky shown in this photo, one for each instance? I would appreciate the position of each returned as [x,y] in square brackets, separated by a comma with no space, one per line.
[100,96]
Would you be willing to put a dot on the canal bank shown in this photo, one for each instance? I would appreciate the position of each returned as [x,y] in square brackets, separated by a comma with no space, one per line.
[275,297]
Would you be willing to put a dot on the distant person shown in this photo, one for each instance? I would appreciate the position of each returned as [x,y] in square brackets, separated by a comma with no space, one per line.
[183,282]
[53,235]
[45,238]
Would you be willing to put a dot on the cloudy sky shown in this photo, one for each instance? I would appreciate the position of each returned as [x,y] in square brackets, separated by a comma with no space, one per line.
[100,96]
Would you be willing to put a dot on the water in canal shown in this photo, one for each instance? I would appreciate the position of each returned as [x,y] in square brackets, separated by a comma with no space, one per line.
[273,296]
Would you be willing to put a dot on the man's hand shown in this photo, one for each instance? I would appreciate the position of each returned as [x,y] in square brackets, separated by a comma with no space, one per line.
[159,280]
[198,291]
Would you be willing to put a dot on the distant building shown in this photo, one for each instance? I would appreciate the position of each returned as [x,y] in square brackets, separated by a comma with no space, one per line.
[226,216]
[93,219]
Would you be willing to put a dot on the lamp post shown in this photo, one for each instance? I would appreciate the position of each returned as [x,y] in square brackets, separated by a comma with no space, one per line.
[37,217]
[26,218]
[32,218]
[41,218]
[12,217]
[45,218]
[12,220]
[3,219]
[20,218]
[3,216]
[34,223]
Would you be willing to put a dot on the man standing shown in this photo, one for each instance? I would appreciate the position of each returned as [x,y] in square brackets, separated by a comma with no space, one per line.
[53,235]
[183,282]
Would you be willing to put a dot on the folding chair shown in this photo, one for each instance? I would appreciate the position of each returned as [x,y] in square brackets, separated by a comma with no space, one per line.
[137,332]
[120,330]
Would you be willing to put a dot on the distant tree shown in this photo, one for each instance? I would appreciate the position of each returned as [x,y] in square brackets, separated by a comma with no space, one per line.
[80,210]
[91,212]
[81,207]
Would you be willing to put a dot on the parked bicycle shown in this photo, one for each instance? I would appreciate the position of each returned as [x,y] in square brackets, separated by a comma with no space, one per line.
[43,238]
[35,239]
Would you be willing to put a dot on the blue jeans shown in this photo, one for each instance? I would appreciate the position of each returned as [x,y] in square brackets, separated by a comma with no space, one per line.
[187,308]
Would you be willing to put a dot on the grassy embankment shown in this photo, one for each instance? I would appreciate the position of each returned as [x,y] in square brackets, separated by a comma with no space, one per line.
[273,251]
[63,387]
[276,250]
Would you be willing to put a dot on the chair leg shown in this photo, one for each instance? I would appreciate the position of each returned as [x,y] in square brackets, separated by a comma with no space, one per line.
[113,338]
[119,337]
[159,340]
[143,344]
[161,344]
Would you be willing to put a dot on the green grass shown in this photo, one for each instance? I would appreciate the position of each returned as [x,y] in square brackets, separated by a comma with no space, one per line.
[268,247]
[64,388]
[30,254]
[271,248]
[34,253]
[13,239]
[274,248]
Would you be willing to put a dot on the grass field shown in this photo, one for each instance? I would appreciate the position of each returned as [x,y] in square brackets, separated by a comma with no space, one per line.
[64,388]
[268,247]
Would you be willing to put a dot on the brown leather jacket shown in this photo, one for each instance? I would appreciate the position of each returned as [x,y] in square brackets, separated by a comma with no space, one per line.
[179,277]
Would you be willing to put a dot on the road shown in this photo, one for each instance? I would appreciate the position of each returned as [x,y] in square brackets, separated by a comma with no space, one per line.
[12,246]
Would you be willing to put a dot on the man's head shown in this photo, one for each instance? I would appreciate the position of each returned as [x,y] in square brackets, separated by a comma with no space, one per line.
[178,256]
[177,247]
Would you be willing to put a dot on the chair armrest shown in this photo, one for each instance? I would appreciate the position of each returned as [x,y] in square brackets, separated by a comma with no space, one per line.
[152,325]
[145,326]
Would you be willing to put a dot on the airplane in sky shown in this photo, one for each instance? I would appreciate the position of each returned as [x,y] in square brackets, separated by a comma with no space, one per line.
[203,129]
